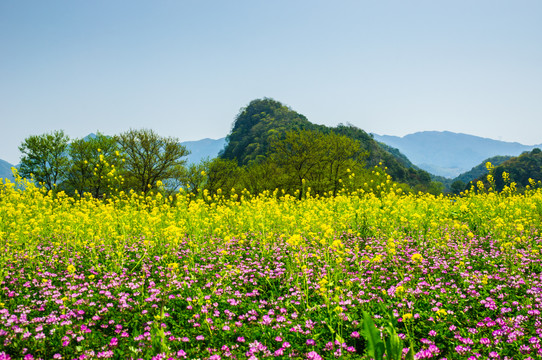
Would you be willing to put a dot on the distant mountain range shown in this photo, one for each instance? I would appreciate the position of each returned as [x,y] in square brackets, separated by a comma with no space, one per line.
[5,170]
[205,148]
[449,154]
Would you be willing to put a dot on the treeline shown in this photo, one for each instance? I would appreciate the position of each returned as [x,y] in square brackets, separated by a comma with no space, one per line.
[297,162]
[270,147]
[521,172]
[103,165]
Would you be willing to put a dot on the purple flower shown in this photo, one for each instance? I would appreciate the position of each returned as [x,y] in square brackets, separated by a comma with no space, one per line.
[313,355]
[200,338]
[279,352]
[114,342]
[355,335]
[462,350]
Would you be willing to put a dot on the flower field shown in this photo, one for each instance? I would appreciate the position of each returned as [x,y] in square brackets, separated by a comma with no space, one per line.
[249,277]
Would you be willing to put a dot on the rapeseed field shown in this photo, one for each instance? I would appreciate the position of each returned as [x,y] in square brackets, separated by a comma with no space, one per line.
[268,276]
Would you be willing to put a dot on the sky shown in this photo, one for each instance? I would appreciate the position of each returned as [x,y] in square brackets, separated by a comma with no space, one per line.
[185,68]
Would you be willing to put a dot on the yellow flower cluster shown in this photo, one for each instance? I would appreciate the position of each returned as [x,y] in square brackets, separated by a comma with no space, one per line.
[28,213]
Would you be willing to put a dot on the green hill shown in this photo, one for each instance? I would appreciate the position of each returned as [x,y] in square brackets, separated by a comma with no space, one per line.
[480,170]
[264,119]
[520,169]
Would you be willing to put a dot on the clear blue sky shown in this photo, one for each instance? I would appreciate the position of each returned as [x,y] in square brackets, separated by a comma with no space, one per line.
[185,68]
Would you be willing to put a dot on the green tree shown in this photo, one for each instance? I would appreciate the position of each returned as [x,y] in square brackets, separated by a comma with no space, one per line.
[150,158]
[45,158]
[195,177]
[222,174]
[457,187]
[315,159]
[95,166]
[299,153]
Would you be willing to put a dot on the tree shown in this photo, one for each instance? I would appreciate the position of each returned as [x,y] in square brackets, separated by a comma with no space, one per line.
[298,153]
[457,187]
[222,174]
[95,165]
[150,158]
[45,158]
[317,159]
[195,177]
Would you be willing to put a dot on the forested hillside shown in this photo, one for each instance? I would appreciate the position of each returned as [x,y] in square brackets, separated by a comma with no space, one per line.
[523,170]
[266,120]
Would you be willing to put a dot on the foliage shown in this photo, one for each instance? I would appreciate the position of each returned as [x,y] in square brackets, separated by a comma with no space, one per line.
[519,172]
[265,120]
[44,158]
[150,158]
[94,166]
[480,170]
[255,124]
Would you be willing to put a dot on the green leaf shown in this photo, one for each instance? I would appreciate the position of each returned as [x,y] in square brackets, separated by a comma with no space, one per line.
[394,347]
[375,346]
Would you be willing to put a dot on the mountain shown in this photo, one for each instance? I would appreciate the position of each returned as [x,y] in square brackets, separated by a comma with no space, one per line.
[449,154]
[205,148]
[265,119]
[5,170]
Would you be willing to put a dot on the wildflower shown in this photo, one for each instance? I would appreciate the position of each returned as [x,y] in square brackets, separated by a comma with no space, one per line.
[407,317]
[416,258]
[313,355]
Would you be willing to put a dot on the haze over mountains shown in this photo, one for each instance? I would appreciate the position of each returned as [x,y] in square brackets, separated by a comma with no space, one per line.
[449,154]
[441,153]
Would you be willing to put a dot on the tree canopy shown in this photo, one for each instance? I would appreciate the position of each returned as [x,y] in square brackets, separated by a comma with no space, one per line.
[45,158]
[150,158]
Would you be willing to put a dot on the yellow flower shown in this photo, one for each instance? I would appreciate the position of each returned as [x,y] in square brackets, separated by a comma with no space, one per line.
[407,317]
[399,290]
[71,269]
[417,258]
